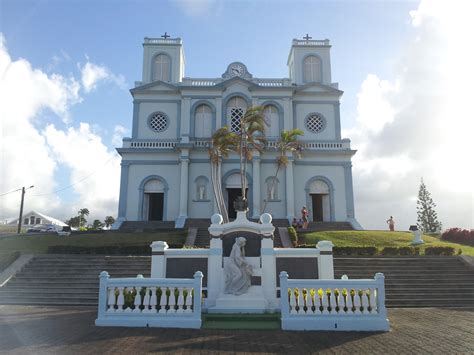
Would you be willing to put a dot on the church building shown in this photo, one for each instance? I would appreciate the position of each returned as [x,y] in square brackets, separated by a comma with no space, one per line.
[165,170]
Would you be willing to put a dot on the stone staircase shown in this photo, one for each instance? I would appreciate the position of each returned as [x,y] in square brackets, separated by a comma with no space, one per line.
[416,281]
[146,226]
[410,281]
[68,279]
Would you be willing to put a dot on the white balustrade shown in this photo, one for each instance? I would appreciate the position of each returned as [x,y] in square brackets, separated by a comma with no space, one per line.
[314,42]
[344,304]
[162,40]
[202,143]
[327,145]
[151,144]
[150,302]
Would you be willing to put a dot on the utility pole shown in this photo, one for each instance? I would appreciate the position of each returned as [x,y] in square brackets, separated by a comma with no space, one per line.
[23,190]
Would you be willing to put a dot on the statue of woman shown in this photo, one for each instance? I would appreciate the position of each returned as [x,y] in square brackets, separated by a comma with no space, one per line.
[237,271]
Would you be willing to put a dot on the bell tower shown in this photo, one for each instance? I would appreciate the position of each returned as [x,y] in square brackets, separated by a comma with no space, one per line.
[163,59]
[309,61]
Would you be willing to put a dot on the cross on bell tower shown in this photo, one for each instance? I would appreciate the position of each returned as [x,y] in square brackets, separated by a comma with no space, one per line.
[307,37]
[166,35]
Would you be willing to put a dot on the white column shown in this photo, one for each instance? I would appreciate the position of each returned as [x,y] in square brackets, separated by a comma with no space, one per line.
[215,273]
[290,191]
[325,260]
[158,266]
[185,119]
[256,185]
[269,272]
[183,196]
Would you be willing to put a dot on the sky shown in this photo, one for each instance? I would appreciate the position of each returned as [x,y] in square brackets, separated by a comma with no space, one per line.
[405,68]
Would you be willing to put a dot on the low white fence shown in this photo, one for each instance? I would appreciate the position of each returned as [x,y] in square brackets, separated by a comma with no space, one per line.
[348,305]
[150,302]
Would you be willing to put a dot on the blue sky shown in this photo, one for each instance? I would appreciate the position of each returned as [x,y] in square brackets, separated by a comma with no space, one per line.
[374,45]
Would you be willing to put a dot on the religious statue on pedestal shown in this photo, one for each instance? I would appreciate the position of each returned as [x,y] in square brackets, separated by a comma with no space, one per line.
[237,271]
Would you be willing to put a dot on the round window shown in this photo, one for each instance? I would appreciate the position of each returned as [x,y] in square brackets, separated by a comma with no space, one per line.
[315,123]
[158,121]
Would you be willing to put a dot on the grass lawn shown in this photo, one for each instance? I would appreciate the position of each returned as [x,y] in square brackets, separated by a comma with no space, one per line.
[30,243]
[378,239]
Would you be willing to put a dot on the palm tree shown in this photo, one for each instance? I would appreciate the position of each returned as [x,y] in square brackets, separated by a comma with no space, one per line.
[109,220]
[222,144]
[82,212]
[251,136]
[287,143]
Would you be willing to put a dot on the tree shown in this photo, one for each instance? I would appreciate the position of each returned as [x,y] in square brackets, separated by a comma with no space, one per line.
[74,221]
[427,220]
[109,220]
[97,224]
[287,143]
[223,142]
[251,137]
[83,212]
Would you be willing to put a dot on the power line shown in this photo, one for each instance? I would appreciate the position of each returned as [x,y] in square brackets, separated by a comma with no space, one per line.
[76,182]
[6,193]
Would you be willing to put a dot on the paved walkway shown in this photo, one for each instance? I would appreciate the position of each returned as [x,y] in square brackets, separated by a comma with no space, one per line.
[65,330]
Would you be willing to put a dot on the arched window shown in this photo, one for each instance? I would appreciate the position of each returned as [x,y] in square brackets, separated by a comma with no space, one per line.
[312,69]
[272,118]
[236,108]
[272,188]
[201,188]
[203,122]
[162,68]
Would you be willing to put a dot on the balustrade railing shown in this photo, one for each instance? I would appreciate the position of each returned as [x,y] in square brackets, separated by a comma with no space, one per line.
[162,40]
[202,143]
[153,302]
[311,42]
[333,304]
[336,145]
[149,144]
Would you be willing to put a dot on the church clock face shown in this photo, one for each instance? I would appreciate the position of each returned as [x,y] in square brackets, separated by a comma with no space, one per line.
[236,70]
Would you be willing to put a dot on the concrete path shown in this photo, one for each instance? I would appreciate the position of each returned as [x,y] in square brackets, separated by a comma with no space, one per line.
[65,330]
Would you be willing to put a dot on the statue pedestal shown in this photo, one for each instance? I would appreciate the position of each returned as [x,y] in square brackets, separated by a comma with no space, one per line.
[252,301]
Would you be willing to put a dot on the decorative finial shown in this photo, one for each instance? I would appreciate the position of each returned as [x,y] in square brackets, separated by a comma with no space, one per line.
[307,37]
[166,35]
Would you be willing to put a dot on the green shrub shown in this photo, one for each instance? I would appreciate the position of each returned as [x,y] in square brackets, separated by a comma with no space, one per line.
[448,251]
[305,246]
[403,251]
[293,235]
[109,250]
[354,251]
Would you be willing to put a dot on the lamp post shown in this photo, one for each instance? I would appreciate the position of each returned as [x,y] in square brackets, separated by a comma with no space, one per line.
[23,190]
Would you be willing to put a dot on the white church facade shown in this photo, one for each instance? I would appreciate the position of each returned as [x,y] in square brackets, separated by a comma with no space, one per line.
[165,170]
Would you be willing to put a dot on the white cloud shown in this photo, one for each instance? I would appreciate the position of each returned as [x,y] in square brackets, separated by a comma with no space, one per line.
[30,155]
[196,8]
[119,133]
[91,164]
[92,74]
[419,125]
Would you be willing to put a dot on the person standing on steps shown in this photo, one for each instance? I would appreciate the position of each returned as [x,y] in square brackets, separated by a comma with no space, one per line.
[391,223]
[304,217]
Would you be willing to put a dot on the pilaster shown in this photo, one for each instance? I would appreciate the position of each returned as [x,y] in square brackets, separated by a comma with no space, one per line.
[290,190]
[256,185]
[185,119]
[287,113]
[124,172]
[218,117]
[349,190]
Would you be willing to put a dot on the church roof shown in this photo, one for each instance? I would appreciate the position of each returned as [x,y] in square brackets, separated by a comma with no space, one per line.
[50,219]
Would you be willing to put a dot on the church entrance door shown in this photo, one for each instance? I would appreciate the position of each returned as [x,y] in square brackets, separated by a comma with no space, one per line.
[232,195]
[155,206]
[317,201]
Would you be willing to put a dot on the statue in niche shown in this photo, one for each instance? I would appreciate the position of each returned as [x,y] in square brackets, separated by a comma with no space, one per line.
[237,271]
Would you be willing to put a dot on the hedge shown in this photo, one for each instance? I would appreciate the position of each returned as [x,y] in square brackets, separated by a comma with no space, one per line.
[109,250]
[293,236]
[448,251]
[458,235]
[402,251]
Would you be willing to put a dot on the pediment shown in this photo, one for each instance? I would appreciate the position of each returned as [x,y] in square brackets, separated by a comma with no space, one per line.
[155,86]
[318,88]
